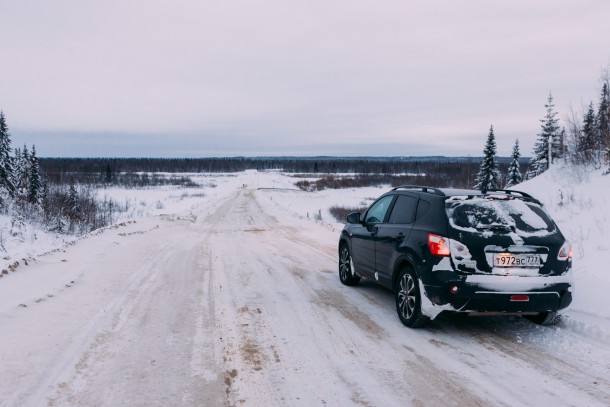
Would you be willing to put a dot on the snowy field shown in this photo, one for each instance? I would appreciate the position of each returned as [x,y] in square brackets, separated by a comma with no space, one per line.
[228,295]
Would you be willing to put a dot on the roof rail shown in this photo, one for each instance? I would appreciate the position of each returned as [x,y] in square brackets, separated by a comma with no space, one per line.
[431,190]
[522,194]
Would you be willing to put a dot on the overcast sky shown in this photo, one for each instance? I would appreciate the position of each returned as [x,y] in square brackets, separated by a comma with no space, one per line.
[188,78]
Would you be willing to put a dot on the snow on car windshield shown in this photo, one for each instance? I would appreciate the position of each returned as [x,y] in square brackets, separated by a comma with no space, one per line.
[498,214]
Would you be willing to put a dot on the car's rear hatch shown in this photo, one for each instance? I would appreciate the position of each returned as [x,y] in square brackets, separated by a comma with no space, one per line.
[500,234]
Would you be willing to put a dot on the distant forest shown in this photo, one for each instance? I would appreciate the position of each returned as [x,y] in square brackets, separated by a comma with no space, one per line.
[434,171]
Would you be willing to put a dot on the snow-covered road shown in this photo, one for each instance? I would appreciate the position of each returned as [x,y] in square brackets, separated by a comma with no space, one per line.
[239,303]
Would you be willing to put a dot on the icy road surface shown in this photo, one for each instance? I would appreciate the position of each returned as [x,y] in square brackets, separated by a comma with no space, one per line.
[240,304]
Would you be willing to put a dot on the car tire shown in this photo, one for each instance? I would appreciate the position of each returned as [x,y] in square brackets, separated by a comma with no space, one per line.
[544,318]
[346,275]
[408,299]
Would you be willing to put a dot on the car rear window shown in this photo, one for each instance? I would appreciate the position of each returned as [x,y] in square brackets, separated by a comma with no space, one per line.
[497,215]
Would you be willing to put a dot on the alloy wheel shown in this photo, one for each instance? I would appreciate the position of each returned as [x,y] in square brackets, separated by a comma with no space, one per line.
[345,264]
[407,296]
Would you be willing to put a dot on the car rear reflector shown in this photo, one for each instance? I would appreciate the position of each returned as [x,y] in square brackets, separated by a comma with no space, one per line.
[519,298]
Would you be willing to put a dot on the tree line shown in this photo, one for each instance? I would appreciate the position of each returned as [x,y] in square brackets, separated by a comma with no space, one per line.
[27,196]
[19,174]
[583,139]
[144,172]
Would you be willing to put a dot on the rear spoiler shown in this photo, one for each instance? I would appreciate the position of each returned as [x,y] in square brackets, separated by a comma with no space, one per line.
[519,194]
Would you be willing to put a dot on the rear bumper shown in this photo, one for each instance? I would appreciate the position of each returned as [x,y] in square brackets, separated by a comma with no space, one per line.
[498,293]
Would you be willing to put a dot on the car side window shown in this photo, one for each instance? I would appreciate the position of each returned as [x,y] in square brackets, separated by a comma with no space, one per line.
[404,209]
[377,212]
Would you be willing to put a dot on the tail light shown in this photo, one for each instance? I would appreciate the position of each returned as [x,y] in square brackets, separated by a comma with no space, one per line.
[439,246]
[566,252]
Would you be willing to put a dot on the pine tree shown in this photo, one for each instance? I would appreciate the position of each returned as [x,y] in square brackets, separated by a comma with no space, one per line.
[35,190]
[549,130]
[22,169]
[587,143]
[44,191]
[44,199]
[108,173]
[6,161]
[16,168]
[561,144]
[488,176]
[73,204]
[514,176]
[603,122]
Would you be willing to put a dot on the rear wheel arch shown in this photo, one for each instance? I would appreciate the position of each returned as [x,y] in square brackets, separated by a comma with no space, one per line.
[400,265]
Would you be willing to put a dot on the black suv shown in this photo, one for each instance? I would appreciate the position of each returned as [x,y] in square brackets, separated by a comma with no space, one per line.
[462,251]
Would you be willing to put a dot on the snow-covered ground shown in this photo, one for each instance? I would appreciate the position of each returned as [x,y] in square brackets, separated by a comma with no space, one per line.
[228,295]
[579,202]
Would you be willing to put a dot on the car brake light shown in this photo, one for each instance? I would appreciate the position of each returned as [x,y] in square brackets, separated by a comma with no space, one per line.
[439,246]
[566,251]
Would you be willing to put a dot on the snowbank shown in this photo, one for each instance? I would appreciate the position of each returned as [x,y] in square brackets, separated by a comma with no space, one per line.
[578,202]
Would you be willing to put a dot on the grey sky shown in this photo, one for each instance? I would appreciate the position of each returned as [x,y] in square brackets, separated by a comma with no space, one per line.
[204,78]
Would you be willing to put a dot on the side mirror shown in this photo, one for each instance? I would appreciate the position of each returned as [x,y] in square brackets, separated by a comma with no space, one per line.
[353,218]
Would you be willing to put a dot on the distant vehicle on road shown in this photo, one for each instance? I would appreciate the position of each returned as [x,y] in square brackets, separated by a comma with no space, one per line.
[456,250]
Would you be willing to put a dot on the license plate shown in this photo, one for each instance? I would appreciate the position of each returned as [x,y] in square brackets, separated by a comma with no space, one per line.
[516,260]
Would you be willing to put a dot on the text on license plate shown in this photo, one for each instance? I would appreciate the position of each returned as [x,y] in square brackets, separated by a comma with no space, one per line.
[516,260]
